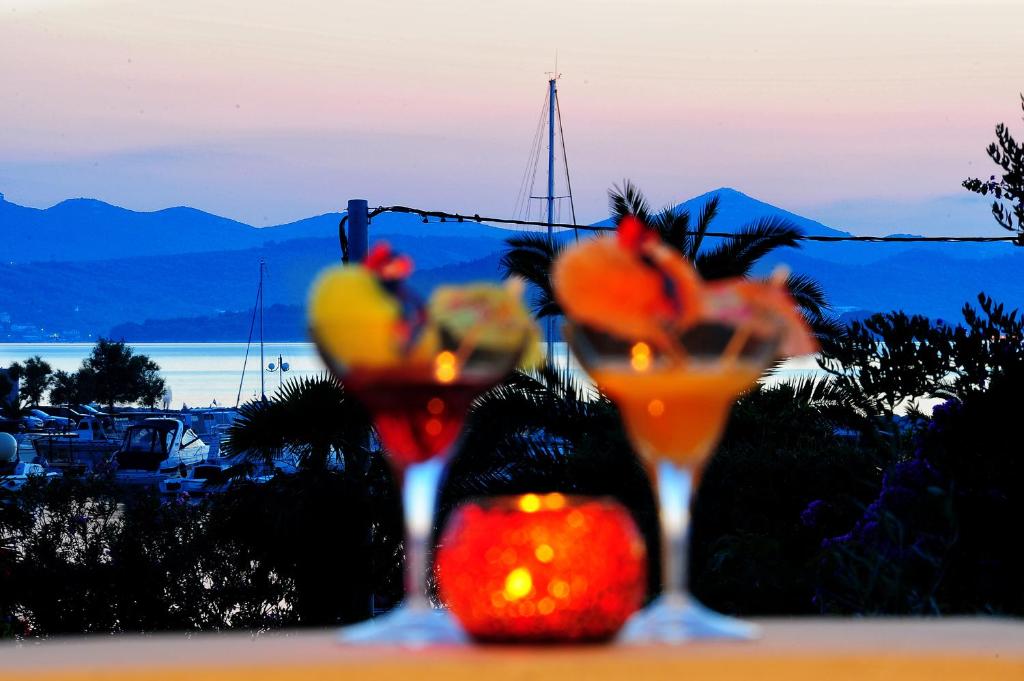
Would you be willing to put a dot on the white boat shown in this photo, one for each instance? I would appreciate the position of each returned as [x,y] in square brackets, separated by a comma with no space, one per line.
[156,449]
[14,472]
[216,475]
[81,449]
[208,477]
[15,476]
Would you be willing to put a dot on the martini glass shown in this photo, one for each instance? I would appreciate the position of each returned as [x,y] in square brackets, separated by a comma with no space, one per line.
[419,408]
[674,405]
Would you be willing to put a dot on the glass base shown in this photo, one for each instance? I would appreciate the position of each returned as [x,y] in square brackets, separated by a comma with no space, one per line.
[677,618]
[406,625]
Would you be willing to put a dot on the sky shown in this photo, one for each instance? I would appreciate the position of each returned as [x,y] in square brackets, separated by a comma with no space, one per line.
[866,115]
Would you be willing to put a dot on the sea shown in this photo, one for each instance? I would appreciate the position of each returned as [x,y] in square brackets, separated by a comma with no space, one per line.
[211,374]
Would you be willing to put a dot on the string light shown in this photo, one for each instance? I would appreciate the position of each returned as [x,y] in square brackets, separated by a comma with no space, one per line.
[443,216]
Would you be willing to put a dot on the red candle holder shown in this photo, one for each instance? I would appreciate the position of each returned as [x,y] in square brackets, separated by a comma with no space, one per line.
[542,568]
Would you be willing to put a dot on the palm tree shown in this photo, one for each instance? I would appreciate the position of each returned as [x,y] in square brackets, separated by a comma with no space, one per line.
[530,255]
[312,417]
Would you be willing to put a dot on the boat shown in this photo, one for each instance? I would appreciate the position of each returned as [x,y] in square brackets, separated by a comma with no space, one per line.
[217,474]
[155,449]
[15,473]
[81,450]
[208,477]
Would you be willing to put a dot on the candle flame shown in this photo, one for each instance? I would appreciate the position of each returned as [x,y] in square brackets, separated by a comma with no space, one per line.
[640,356]
[444,367]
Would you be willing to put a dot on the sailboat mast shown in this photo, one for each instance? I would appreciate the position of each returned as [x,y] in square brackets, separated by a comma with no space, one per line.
[552,94]
[263,391]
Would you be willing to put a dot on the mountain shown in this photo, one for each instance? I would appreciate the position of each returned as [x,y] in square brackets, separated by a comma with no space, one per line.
[79,230]
[86,229]
[186,271]
[736,209]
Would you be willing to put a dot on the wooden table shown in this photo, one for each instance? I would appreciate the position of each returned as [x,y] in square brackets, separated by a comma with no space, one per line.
[791,650]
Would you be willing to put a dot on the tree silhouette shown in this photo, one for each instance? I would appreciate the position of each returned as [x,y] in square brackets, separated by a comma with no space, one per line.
[35,376]
[1007,190]
[115,374]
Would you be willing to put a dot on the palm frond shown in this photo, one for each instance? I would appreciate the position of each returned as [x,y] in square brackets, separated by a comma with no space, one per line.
[811,390]
[808,294]
[530,257]
[736,256]
[674,227]
[312,416]
[833,397]
[707,214]
[628,200]
[826,329]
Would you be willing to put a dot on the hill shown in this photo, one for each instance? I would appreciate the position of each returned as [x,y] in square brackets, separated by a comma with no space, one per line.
[79,230]
[94,295]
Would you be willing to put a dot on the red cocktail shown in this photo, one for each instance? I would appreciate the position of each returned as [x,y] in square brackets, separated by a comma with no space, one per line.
[416,416]
[417,369]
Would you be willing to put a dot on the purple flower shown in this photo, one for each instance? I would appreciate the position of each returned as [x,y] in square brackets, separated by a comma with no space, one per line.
[810,515]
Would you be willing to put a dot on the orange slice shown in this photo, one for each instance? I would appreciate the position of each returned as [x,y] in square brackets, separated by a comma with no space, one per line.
[631,293]
[768,302]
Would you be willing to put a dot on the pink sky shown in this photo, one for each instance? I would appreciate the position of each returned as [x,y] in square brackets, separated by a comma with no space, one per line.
[267,111]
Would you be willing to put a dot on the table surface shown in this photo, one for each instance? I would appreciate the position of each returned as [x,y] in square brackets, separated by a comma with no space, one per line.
[822,649]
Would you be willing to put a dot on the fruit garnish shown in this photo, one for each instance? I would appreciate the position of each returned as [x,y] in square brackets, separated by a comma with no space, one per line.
[631,285]
[769,302]
[485,317]
[365,316]
[354,319]
[636,287]
[386,264]
[634,235]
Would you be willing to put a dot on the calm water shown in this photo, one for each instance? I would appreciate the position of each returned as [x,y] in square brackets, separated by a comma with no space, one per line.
[199,373]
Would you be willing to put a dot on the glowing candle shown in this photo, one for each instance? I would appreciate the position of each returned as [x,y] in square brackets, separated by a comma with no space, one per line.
[542,567]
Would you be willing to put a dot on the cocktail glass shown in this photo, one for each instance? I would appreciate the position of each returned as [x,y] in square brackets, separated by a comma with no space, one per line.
[674,405]
[419,409]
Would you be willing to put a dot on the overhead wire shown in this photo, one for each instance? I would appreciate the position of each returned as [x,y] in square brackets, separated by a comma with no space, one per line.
[476,217]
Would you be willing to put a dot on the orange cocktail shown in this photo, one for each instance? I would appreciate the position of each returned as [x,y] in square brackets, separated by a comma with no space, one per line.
[677,414]
[673,352]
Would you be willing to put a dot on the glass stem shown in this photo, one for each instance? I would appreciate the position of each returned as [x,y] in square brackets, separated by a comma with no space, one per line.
[420,485]
[674,484]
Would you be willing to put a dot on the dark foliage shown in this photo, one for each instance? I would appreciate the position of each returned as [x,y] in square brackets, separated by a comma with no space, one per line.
[313,418]
[34,376]
[819,499]
[303,550]
[892,359]
[1007,191]
[529,256]
[113,373]
[935,539]
[750,553]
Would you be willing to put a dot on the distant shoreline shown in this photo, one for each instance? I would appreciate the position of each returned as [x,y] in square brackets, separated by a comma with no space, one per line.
[90,343]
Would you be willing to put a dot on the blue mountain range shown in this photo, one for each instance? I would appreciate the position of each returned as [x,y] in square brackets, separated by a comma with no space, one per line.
[183,274]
